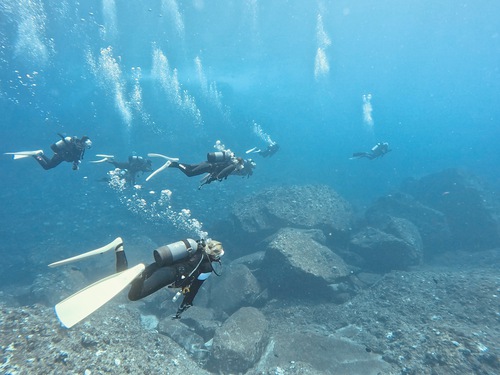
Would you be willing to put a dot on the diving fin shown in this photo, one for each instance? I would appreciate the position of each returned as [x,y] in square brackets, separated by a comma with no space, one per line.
[163,167]
[24,154]
[110,246]
[104,158]
[153,155]
[84,302]
[255,149]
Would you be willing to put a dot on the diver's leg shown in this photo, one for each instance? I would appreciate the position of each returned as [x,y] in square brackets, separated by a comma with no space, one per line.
[360,155]
[152,279]
[121,258]
[47,163]
[191,170]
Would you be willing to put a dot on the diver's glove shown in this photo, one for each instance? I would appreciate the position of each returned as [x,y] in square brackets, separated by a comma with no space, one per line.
[180,310]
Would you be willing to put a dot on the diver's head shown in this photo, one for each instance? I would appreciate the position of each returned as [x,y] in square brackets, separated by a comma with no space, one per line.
[214,249]
[251,163]
[86,141]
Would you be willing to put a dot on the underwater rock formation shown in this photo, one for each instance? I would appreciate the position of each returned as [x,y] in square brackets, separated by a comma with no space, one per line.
[306,207]
[225,298]
[241,340]
[472,215]
[185,337]
[397,245]
[297,264]
[432,224]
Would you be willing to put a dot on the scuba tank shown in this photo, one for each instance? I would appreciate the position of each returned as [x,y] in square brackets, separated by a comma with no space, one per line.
[61,144]
[219,156]
[169,254]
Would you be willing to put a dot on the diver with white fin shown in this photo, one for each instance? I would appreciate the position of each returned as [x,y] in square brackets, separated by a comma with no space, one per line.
[377,151]
[132,167]
[269,151]
[218,166]
[69,149]
[272,146]
[168,159]
[185,264]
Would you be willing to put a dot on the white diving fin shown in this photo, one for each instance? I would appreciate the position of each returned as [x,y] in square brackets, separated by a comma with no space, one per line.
[163,167]
[104,158]
[110,246]
[255,149]
[84,302]
[23,154]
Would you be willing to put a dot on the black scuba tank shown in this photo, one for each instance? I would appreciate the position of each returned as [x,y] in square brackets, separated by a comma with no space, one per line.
[169,254]
[219,156]
[61,144]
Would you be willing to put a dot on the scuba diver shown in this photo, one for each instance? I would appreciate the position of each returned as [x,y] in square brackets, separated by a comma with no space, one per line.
[130,168]
[379,150]
[69,149]
[185,264]
[219,166]
[270,150]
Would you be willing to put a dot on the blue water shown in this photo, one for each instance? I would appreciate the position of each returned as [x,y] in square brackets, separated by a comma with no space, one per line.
[209,70]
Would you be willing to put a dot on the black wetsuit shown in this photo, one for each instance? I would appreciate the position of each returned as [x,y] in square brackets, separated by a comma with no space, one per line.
[379,150]
[69,149]
[270,150]
[188,274]
[216,170]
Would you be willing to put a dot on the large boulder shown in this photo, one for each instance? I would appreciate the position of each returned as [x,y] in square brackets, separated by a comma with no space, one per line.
[397,245]
[296,263]
[202,321]
[309,206]
[239,343]
[432,224]
[472,214]
[238,287]
[332,354]
[193,343]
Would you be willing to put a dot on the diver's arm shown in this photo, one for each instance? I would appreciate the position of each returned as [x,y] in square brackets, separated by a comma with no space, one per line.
[226,171]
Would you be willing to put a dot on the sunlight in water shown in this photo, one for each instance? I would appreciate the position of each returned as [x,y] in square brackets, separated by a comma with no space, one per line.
[257,129]
[201,76]
[209,90]
[136,97]
[171,8]
[367,111]
[322,38]
[169,82]
[252,12]
[321,65]
[109,13]
[31,44]
[109,74]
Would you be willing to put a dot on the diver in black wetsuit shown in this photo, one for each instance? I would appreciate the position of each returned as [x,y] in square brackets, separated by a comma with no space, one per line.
[269,151]
[69,149]
[379,150]
[184,264]
[132,167]
[219,166]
